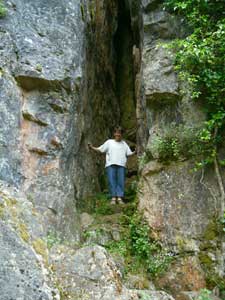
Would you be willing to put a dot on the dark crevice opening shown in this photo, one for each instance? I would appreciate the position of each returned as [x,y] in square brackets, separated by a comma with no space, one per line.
[123,42]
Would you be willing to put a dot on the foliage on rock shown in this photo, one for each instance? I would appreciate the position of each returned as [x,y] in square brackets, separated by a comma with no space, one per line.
[141,252]
[200,61]
[177,142]
[3,10]
[204,295]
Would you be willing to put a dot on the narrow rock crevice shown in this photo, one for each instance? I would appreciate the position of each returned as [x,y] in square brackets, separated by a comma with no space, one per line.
[109,77]
[123,42]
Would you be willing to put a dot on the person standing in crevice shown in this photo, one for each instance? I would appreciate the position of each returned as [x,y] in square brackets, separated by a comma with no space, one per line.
[117,151]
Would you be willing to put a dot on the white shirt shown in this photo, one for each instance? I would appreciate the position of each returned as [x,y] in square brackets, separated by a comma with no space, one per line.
[116,152]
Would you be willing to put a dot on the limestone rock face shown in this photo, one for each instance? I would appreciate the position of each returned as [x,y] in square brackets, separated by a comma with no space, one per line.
[185,274]
[41,101]
[161,84]
[168,201]
[90,273]
[69,72]
[24,272]
[179,205]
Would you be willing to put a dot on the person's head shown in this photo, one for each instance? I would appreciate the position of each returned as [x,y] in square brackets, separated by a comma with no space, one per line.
[118,132]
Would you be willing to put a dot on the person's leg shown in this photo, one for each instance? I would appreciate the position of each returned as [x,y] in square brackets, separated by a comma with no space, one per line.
[111,175]
[121,172]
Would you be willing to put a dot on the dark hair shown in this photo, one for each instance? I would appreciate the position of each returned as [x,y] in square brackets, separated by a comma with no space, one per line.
[118,129]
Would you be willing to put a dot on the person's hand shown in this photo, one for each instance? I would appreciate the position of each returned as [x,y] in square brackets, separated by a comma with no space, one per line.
[90,145]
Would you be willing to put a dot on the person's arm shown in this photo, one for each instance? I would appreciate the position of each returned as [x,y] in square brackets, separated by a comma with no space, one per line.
[91,147]
[101,149]
[129,152]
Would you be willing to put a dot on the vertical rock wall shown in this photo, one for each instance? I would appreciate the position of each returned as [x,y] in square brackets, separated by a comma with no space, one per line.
[59,76]
[43,107]
[181,206]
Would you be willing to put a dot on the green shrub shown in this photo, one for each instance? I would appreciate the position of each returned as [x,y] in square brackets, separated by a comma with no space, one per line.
[102,204]
[177,142]
[145,249]
[200,61]
[139,250]
[119,247]
[168,148]
[3,10]
[139,237]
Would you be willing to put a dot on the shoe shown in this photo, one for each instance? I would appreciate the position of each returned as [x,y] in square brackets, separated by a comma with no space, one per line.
[113,201]
[120,201]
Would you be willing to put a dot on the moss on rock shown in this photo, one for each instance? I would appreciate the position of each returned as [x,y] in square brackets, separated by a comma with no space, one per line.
[211,232]
[23,231]
[205,259]
[210,244]
[1,210]
[40,247]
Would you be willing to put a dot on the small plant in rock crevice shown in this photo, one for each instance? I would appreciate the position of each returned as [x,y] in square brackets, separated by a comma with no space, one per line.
[175,143]
[52,239]
[223,222]
[204,295]
[144,158]
[144,296]
[102,204]
[139,250]
[3,9]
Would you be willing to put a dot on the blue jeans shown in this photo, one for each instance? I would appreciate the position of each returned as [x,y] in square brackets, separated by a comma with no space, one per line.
[116,179]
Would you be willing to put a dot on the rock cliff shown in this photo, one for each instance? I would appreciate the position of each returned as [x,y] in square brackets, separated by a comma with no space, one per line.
[69,72]
[41,105]
[180,205]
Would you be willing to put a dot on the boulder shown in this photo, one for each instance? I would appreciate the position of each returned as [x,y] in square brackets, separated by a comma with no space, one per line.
[169,203]
[90,273]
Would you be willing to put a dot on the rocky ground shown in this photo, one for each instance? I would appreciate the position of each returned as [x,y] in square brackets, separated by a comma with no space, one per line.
[38,265]
[36,270]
